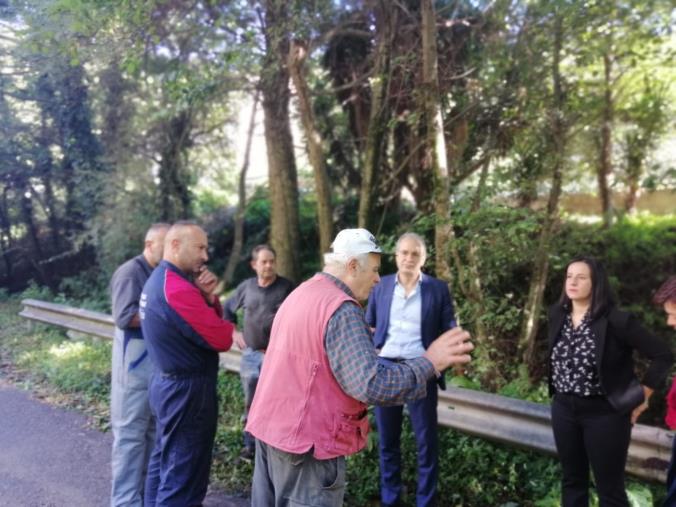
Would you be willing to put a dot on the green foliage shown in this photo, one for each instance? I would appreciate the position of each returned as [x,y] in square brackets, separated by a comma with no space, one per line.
[34,291]
[82,366]
[231,472]
[637,252]
[517,478]
[87,290]
[45,355]
[521,387]
[465,463]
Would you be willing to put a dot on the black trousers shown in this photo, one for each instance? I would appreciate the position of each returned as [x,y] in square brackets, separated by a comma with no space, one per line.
[588,431]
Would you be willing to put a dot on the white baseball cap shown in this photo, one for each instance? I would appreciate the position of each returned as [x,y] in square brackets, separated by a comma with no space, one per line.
[355,242]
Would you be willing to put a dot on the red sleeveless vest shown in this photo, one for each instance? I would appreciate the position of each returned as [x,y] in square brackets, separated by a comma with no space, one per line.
[298,404]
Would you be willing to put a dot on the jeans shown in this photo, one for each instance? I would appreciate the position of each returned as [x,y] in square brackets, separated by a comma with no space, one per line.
[131,420]
[283,479]
[250,370]
[588,431]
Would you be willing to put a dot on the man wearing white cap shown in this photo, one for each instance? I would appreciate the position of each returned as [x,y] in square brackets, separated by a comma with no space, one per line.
[321,372]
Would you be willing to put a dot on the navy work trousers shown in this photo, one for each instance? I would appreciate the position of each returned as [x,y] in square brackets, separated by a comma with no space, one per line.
[423,414]
[185,408]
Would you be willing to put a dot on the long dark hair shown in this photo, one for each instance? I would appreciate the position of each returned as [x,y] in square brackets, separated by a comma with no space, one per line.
[602,298]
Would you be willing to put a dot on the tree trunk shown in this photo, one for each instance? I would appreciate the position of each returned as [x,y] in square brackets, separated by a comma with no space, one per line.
[605,167]
[385,16]
[527,342]
[632,195]
[174,192]
[314,143]
[435,145]
[236,251]
[283,179]
[457,138]
[474,292]
[82,168]
[6,236]
[527,180]
[51,210]
[635,155]
[46,170]
[117,113]
[29,220]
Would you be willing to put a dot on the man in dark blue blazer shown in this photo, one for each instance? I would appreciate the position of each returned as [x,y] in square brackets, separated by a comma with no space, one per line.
[409,310]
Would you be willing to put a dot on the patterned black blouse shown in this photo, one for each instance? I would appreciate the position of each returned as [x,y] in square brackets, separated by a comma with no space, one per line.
[574,360]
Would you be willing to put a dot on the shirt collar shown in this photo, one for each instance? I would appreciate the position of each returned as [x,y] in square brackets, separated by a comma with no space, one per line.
[340,284]
[172,267]
[417,283]
[142,259]
[584,323]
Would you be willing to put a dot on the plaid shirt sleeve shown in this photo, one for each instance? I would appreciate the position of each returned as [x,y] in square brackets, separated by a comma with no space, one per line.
[355,364]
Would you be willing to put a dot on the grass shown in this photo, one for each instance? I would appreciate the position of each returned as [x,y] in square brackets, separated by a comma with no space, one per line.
[42,359]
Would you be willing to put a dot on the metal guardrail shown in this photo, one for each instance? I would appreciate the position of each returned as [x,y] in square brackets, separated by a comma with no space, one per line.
[528,425]
[511,421]
[100,325]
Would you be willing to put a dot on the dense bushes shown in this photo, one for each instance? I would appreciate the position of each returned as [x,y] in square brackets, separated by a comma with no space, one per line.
[638,253]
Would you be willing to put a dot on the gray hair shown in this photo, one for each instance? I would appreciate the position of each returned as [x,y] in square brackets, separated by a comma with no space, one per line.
[337,262]
[415,237]
[155,228]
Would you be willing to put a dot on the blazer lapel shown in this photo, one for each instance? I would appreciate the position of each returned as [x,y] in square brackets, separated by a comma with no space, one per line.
[556,321]
[598,328]
[388,293]
[425,297]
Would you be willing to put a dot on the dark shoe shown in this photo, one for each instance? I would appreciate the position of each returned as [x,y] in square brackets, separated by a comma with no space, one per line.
[247,453]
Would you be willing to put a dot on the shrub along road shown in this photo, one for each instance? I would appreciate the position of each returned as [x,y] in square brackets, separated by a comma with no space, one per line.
[49,457]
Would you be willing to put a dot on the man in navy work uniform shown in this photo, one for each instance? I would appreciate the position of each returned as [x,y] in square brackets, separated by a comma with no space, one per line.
[133,424]
[260,296]
[184,330]
[409,310]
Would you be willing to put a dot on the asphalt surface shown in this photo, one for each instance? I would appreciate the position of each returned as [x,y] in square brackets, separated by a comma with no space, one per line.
[50,458]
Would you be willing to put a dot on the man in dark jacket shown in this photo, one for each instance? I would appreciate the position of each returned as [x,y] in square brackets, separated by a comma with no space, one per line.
[409,310]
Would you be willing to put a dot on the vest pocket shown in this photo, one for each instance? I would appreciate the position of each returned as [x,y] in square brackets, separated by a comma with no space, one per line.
[350,432]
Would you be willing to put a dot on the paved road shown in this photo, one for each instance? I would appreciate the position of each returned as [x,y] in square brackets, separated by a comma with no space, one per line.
[49,458]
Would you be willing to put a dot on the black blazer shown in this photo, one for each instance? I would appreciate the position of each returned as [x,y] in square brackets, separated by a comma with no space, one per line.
[617,334]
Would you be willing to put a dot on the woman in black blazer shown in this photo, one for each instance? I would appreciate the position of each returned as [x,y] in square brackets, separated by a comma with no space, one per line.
[596,395]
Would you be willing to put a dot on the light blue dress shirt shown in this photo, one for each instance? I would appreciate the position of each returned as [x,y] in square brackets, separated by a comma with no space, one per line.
[404,340]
